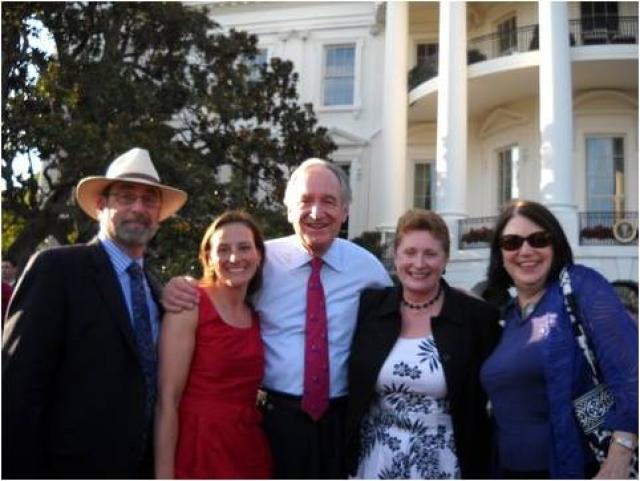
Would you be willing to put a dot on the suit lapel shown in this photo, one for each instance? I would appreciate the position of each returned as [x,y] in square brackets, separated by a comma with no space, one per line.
[156,289]
[111,291]
[452,340]
[387,328]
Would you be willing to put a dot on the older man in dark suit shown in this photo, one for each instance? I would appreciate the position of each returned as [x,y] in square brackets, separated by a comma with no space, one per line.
[79,357]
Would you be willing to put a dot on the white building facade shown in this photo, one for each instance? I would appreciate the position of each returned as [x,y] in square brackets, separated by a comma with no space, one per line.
[461,106]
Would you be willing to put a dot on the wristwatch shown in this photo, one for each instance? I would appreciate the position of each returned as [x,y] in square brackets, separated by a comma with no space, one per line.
[625,440]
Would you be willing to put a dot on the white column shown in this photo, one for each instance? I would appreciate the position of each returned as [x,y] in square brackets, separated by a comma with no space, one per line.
[556,116]
[451,147]
[392,165]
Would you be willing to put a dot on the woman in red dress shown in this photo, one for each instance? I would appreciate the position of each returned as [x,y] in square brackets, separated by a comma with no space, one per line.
[211,363]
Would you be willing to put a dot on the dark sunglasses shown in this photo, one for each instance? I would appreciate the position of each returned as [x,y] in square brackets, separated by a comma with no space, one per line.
[513,242]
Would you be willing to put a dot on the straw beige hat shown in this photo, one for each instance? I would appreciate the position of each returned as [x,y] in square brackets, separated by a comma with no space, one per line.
[132,166]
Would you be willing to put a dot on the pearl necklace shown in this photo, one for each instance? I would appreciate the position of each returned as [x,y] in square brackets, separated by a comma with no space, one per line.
[426,304]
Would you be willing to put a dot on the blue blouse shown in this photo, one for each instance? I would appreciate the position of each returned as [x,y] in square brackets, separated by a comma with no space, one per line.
[514,377]
[614,337]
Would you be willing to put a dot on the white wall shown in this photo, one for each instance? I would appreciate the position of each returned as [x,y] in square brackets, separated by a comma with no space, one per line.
[298,31]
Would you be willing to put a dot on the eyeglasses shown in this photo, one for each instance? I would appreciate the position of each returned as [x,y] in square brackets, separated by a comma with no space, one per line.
[129,198]
[513,242]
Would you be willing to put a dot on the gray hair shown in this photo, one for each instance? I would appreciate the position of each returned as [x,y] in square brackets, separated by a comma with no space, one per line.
[345,188]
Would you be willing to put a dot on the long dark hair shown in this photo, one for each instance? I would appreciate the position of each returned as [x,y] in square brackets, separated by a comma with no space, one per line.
[231,217]
[497,276]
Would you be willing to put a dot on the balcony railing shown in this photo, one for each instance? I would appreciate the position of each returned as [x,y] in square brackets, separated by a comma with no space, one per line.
[608,228]
[475,233]
[496,45]
[584,31]
[604,30]
[480,49]
[596,229]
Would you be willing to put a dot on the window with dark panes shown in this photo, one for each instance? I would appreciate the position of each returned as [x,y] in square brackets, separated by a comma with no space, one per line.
[423,181]
[507,36]
[508,165]
[605,174]
[426,52]
[599,16]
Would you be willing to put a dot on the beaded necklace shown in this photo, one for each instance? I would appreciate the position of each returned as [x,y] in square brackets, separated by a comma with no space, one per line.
[425,304]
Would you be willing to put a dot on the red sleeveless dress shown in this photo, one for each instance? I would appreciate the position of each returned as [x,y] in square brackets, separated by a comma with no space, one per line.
[219,425]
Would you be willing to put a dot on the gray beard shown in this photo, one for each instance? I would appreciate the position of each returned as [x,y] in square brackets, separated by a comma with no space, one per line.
[136,236]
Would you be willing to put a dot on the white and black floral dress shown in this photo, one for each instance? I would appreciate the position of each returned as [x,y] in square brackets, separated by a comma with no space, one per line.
[407,432]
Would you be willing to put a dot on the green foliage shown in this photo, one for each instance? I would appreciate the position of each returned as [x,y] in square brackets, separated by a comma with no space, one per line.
[11,227]
[159,76]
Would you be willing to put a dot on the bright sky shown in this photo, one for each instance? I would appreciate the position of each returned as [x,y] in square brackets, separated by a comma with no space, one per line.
[43,41]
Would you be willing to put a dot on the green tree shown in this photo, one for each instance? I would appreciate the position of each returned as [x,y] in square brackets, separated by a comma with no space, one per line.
[160,76]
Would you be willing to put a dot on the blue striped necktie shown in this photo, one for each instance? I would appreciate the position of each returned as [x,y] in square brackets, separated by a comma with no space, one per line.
[143,335]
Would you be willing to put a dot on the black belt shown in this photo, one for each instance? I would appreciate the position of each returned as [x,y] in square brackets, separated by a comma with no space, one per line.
[270,399]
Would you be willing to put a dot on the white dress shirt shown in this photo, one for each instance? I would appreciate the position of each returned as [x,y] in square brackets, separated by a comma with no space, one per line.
[282,303]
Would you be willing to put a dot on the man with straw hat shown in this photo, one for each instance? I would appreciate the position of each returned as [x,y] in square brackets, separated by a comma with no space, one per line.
[79,346]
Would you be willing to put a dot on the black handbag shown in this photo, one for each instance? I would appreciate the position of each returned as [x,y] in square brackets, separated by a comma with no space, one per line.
[591,407]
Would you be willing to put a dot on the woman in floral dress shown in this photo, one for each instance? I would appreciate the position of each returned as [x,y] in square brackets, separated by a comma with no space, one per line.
[416,407]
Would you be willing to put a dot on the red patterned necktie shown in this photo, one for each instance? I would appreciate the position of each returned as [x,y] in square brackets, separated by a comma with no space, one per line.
[315,398]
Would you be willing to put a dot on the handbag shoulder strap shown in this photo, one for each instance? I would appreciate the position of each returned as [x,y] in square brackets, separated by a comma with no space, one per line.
[577,327]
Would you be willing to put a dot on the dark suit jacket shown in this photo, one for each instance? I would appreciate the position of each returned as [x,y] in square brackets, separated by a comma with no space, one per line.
[465,332]
[72,385]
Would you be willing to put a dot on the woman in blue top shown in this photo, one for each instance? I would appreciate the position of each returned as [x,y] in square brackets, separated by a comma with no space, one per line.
[538,369]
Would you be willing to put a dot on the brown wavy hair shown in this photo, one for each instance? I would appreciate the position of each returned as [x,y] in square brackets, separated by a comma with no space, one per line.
[231,217]
[421,219]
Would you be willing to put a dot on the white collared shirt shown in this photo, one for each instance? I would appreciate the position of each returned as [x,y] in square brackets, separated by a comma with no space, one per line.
[281,303]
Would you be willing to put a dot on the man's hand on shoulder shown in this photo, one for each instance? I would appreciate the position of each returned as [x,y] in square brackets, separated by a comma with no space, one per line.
[180,293]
